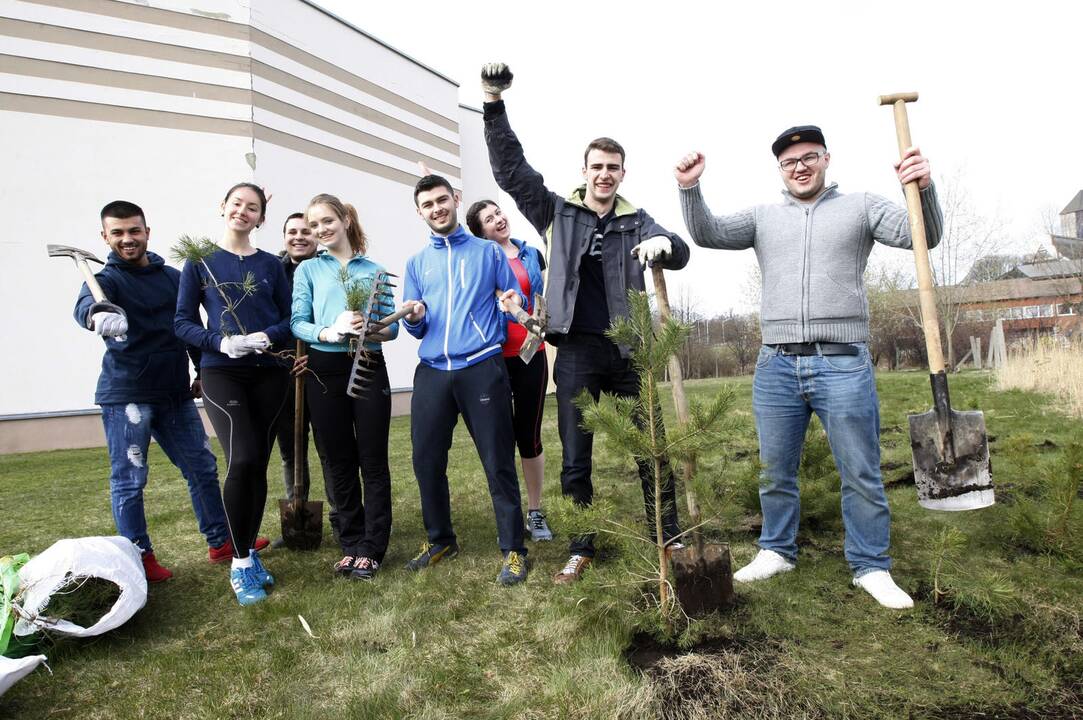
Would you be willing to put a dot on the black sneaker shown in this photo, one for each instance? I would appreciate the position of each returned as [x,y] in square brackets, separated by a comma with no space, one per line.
[364,568]
[513,571]
[431,554]
[344,566]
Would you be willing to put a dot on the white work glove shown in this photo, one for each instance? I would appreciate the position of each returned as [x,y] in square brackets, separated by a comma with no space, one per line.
[109,324]
[257,341]
[495,78]
[236,346]
[342,327]
[652,249]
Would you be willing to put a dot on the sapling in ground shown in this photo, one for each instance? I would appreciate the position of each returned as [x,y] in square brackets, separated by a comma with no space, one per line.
[634,424]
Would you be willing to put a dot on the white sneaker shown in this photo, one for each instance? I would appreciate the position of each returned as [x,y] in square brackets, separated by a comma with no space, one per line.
[767,563]
[879,584]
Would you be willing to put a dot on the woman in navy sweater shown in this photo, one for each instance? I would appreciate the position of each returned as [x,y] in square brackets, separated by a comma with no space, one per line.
[352,431]
[246,295]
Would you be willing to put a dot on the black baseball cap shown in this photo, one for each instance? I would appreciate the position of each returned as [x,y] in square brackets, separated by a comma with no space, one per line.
[799,134]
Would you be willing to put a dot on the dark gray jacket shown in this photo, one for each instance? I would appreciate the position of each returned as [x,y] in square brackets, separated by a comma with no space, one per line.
[567,226]
[812,256]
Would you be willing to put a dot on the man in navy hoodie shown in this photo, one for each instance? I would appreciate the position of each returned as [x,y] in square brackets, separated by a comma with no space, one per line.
[144,388]
[456,288]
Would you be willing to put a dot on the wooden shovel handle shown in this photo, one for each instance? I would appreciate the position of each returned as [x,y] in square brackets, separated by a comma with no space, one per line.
[676,376]
[299,449]
[930,322]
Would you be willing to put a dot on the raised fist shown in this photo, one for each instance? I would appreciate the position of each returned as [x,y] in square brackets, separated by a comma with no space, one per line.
[689,168]
[495,78]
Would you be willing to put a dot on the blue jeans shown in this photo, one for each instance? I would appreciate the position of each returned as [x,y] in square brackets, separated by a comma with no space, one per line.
[841,390]
[178,429]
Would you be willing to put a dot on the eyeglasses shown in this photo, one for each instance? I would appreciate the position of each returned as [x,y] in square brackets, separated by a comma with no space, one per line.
[808,160]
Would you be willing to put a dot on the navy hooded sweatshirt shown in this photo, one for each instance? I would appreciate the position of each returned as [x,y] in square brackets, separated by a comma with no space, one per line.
[151,364]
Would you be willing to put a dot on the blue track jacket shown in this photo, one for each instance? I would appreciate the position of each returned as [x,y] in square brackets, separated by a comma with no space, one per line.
[458,278]
[151,364]
[319,298]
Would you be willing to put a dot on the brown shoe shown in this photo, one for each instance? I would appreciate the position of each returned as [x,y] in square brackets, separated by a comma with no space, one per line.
[573,570]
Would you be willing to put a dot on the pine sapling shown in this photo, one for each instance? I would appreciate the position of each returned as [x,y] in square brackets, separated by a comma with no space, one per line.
[634,425]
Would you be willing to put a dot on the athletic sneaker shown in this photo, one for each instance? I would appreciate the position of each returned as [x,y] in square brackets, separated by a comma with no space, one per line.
[573,570]
[879,584]
[265,578]
[224,552]
[767,563]
[246,586]
[344,567]
[513,571]
[154,571]
[431,554]
[538,527]
[364,568]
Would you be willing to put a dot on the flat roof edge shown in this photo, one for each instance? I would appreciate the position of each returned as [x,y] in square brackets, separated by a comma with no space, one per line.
[375,39]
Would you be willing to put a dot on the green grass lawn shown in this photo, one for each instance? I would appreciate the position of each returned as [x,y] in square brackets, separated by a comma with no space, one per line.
[1004,641]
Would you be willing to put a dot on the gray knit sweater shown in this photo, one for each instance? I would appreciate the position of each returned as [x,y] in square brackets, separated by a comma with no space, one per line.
[812,256]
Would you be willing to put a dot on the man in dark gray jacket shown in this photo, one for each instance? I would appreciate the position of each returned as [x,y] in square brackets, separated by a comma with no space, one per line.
[597,247]
[812,250]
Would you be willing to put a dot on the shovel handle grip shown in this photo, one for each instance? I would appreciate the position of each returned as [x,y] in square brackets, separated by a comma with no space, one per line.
[930,321]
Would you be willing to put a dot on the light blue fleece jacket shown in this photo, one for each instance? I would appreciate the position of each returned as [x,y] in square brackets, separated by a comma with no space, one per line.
[319,298]
[458,278]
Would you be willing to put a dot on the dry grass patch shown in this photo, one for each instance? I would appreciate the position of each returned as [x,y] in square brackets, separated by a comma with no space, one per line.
[1047,367]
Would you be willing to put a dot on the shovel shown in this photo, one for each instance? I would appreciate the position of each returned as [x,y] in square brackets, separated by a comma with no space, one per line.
[950,448]
[302,520]
[702,572]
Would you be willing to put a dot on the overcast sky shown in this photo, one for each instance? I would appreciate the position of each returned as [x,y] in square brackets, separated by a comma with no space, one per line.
[1001,100]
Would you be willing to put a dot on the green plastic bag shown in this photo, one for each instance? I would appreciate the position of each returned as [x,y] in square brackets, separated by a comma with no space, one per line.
[9,585]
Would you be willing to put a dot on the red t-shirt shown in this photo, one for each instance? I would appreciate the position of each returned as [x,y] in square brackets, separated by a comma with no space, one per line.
[516,332]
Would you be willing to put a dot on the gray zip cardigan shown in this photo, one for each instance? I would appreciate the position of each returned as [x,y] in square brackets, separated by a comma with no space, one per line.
[812,256]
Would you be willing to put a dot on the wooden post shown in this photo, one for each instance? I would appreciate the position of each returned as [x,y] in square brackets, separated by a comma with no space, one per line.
[975,350]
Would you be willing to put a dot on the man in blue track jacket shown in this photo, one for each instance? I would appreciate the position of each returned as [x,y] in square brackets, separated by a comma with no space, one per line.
[456,288]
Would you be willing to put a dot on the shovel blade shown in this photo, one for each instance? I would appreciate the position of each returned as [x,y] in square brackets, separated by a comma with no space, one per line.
[302,524]
[703,582]
[951,481]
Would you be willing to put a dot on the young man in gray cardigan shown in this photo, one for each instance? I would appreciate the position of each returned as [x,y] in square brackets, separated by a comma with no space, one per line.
[812,249]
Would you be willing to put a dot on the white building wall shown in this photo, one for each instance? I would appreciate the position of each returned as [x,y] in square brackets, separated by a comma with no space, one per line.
[167,106]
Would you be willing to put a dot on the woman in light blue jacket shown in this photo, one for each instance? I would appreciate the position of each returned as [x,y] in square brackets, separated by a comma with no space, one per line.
[352,431]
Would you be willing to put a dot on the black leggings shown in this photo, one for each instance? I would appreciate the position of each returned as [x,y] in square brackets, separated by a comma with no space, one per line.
[528,384]
[243,404]
[353,433]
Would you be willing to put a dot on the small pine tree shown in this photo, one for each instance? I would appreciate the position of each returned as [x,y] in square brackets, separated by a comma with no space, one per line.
[634,425]
[197,250]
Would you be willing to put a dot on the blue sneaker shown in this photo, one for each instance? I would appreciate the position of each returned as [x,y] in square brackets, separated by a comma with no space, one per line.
[513,571]
[247,586]
[266,579]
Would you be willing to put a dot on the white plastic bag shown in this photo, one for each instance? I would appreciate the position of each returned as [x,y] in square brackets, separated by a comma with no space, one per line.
[12,671]
[115,559]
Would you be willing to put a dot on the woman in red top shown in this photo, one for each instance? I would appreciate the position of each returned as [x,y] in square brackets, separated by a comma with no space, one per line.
[528,380]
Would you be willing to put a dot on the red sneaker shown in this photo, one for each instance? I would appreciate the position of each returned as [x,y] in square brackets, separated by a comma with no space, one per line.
[155,572]
[224,552]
